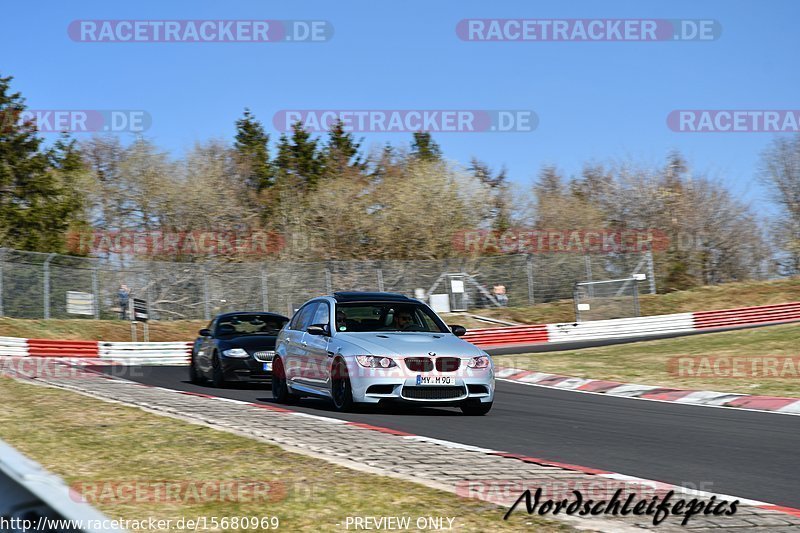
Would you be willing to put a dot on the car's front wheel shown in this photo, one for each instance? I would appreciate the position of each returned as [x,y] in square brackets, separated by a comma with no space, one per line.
[217,373]
[280,388]
[476,408]
[194,375]
[341,391]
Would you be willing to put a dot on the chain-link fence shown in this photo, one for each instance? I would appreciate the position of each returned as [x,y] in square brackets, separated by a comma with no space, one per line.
[607,299]
[36,285]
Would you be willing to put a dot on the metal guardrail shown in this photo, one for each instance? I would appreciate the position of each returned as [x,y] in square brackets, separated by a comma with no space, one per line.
[31,493]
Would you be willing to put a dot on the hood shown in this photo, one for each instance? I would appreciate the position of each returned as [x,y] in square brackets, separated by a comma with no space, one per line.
[408,344]
[250,343]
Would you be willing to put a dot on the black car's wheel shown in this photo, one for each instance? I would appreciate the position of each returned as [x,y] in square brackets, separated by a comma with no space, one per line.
[217,375]
[476,408]
[280,389]
[341,391]
[194,376]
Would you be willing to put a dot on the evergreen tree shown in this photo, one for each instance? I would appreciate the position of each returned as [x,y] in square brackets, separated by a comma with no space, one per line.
[425,148]
[36,206]
[341,152]
[252,152]
[299,157]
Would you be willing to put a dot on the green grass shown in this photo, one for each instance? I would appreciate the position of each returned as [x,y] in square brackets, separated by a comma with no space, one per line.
[648,362]
[84,440]
[106,330]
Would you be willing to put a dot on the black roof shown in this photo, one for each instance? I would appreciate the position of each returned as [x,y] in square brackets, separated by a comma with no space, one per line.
[354,296]
[246,313]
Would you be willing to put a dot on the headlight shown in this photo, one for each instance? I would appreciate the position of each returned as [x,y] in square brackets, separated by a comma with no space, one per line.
[235,352]
[479,362]
[372,361]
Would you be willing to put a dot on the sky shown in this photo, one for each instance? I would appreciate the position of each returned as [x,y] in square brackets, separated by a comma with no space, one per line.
[595,101]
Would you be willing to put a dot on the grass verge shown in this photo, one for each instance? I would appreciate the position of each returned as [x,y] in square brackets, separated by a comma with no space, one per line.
[105,330]
[84,440]
[649,362]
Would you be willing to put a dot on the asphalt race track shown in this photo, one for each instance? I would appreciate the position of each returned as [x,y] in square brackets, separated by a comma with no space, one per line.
[742,453]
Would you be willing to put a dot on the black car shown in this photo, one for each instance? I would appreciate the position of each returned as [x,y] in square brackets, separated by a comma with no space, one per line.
[236,347]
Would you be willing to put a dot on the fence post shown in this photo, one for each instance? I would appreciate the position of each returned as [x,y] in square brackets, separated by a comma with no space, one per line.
[206,296]
[95,294]
[379,272]
[587,261]
[529,270]
[46,272]
[2,263]
[264,293]
[651,276]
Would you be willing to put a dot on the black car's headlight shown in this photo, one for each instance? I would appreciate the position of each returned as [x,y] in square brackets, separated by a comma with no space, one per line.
[375,361]
[235,352]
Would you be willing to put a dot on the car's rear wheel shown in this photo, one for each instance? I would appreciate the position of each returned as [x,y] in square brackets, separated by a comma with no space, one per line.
[341,391]
[476,408]
[217,374]
[280,388]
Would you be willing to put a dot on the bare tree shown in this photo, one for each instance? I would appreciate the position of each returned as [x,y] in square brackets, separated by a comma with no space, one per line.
[780,173]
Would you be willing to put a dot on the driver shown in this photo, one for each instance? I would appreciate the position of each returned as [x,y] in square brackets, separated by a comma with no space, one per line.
[402,320]
[341,320]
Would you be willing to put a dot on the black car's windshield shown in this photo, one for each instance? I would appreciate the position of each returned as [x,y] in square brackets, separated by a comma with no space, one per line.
[387,316]
[238,325]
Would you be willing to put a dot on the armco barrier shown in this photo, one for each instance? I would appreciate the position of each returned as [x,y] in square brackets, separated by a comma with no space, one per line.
[165,353]
[507,336]
[169,353]
[746,316]
[620,328]
[13,346]
[56,348]
[32,493]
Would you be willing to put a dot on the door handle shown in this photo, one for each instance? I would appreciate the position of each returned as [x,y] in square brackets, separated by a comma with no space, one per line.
[304,343]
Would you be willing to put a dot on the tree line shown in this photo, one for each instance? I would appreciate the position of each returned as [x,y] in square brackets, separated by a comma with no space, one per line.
[329,197]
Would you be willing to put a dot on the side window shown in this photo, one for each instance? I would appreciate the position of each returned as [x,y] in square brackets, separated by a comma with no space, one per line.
[323,315]
[302,319]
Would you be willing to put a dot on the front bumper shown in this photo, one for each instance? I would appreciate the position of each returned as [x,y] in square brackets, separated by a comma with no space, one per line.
[396,384]
[245,369]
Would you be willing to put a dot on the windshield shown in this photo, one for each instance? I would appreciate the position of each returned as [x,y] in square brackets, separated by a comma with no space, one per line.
[238,325]
[387,316]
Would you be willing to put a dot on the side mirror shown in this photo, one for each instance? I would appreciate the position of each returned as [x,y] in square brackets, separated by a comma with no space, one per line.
[458,331]
[318,329]
[205,332]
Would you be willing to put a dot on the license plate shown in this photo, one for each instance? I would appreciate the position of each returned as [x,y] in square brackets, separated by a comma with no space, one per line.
[436,380]
[268,366]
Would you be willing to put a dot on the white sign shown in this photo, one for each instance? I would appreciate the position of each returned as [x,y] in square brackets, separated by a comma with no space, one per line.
[456,285]
[80,303]
[440,303]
